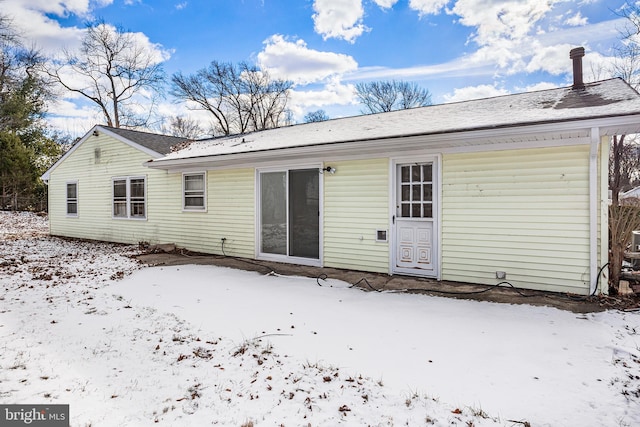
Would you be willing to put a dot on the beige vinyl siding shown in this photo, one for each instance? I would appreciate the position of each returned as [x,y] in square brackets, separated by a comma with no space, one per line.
[356,200]
[525,212]
[94,177]
[230,202]
[231,205]
[229,213]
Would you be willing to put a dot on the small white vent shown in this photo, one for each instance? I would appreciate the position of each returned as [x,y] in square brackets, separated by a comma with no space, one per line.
[381,235]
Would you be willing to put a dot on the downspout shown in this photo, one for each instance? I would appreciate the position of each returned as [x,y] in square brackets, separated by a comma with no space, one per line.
[593,209]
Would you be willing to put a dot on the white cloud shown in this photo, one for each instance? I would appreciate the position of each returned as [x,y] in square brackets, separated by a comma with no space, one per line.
[295,61]
[427,7]
[501,19]
[340,19]
[474,92]
[552,59]
[30,19]
[332,94]
[597,67]
[385,4]
[59,8]
[576,20]
[181,6]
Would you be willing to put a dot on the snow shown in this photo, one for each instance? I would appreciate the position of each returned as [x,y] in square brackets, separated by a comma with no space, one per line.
[601,99]
[83,323]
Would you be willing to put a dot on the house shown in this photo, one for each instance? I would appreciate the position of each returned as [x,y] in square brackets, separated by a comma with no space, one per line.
[631,196]
[507,188]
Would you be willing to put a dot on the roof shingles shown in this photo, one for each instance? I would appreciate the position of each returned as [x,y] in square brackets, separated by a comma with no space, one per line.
[161,144]
[601,99]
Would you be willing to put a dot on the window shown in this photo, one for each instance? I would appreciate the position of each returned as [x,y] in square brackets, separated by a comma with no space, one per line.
[72,198]
[194,191]
[129,197]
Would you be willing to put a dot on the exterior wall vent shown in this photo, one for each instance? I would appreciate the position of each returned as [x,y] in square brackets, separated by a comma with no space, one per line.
[97,154]
[381,235]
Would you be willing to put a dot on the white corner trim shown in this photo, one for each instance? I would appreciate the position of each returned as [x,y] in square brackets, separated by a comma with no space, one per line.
[593,209]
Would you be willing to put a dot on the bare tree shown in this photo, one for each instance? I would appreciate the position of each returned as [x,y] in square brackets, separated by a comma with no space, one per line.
[624,159]
[383,96]
[184,127]
[241,98]
[120,75]
[624,165]
[316,116]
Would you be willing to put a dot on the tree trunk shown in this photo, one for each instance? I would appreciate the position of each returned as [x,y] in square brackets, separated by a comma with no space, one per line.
[615,183]
[615,267]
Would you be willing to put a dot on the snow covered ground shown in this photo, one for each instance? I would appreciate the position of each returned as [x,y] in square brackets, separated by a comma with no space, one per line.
[84,324]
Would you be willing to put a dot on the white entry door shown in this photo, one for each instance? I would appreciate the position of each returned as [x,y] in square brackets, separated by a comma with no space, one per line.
[415,242]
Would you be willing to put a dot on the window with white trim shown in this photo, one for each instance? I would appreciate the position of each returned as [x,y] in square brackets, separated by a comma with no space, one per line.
[72,198]
[129,197]
[194,191]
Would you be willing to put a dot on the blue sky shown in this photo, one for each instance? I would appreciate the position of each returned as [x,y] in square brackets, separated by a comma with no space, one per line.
[458,49]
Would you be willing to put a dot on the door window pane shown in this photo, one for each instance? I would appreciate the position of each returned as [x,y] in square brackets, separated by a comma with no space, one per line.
[415,173]
[427,192]
[427,172]
[304,213]
[404,172]
[406,193]
[415,195]
[273,212]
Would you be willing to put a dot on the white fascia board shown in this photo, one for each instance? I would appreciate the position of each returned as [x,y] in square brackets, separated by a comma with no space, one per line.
[532,136]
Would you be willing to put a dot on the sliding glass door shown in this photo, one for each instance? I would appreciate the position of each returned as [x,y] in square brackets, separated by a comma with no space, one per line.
[290,213]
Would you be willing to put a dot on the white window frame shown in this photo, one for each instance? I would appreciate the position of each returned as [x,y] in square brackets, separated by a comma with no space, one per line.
[72,200]
[128,199]
[194,193]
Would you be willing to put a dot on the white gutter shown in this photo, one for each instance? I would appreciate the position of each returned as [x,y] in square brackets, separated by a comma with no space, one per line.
[593,209]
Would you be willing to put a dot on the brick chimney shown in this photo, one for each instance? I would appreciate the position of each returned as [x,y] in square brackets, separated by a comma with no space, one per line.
[576,55]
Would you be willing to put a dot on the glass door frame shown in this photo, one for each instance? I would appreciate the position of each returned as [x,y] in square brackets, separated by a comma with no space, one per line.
[316,262]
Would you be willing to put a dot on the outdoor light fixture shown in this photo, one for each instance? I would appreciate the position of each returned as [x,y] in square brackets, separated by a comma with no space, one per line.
[329,169]
[95,133]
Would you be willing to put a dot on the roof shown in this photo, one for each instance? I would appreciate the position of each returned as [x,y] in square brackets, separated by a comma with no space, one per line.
[154,145]
[633,193]
[603,99]
[159,143]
